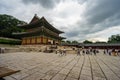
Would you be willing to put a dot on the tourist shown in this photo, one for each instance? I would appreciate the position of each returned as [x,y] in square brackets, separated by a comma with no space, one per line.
[87,51]
[64,51]
[56,51]
[109,52]
[94,51]
[78,51]
[118,52]
[97,51]
[90,51]
[104,52]
[60,52]
[114,52]
[83,52]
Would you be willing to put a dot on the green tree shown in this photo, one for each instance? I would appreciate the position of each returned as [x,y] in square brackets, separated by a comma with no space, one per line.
[114,39]
[86,41]
[8,25]
[74,41]
[100,42]
[63,41]
[69,42]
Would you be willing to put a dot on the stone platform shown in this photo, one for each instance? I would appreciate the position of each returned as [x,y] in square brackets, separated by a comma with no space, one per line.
[51,66]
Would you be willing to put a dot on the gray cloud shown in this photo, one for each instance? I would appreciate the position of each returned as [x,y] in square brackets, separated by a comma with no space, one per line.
[72,33]
[101,10]
[44,3]
[82,1]
[79,19]
[99,15]
[4,7]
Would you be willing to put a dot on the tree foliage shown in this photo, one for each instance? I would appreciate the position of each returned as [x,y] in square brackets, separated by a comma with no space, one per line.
[8,25]
[8,41]
[74,41]
[100,42]
[114,39]
[86,41]
[68,41]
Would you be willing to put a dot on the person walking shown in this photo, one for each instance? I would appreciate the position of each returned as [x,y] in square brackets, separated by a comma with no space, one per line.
[94,51]
[83,52]
[60,52]
[78,52]
[64,51]
[109,52]
[118,52]
[104,51]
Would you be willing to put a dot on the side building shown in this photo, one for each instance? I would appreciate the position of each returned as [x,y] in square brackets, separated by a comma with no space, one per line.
[95,45]
[39,31]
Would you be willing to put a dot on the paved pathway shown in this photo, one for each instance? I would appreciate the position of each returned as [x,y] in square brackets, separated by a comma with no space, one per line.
[45,66]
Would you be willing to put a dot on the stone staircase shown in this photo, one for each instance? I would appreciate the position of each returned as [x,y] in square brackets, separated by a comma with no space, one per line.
[24,48]
[34,48]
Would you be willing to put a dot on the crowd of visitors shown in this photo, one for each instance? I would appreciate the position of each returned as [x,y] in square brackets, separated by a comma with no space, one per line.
[89,51]
[81,51]
[113,52]
[61,52]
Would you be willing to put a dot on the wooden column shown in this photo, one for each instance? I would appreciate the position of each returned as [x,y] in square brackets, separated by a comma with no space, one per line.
[35,40]
[47,41]
[41,39]
[25,41]
[30,41]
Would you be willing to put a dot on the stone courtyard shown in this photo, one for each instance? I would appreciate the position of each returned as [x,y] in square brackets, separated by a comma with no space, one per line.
[51,66]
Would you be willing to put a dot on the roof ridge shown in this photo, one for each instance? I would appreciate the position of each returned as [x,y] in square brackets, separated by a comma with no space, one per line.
[34,19]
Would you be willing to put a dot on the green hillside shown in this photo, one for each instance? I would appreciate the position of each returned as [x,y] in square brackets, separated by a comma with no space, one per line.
[8,25]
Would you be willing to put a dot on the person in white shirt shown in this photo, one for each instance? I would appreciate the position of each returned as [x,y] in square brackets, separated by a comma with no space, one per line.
[64,51]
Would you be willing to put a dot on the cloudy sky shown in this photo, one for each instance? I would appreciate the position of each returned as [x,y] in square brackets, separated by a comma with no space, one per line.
[94,20]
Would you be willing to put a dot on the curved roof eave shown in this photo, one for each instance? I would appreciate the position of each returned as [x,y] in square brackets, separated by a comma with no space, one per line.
[42,22]
[45,21]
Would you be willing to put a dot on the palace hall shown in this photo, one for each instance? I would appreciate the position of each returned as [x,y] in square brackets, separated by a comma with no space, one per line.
[39,31]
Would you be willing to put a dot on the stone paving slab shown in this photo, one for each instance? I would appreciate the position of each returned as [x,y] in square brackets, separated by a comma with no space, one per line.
[6,72]
[45,66]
